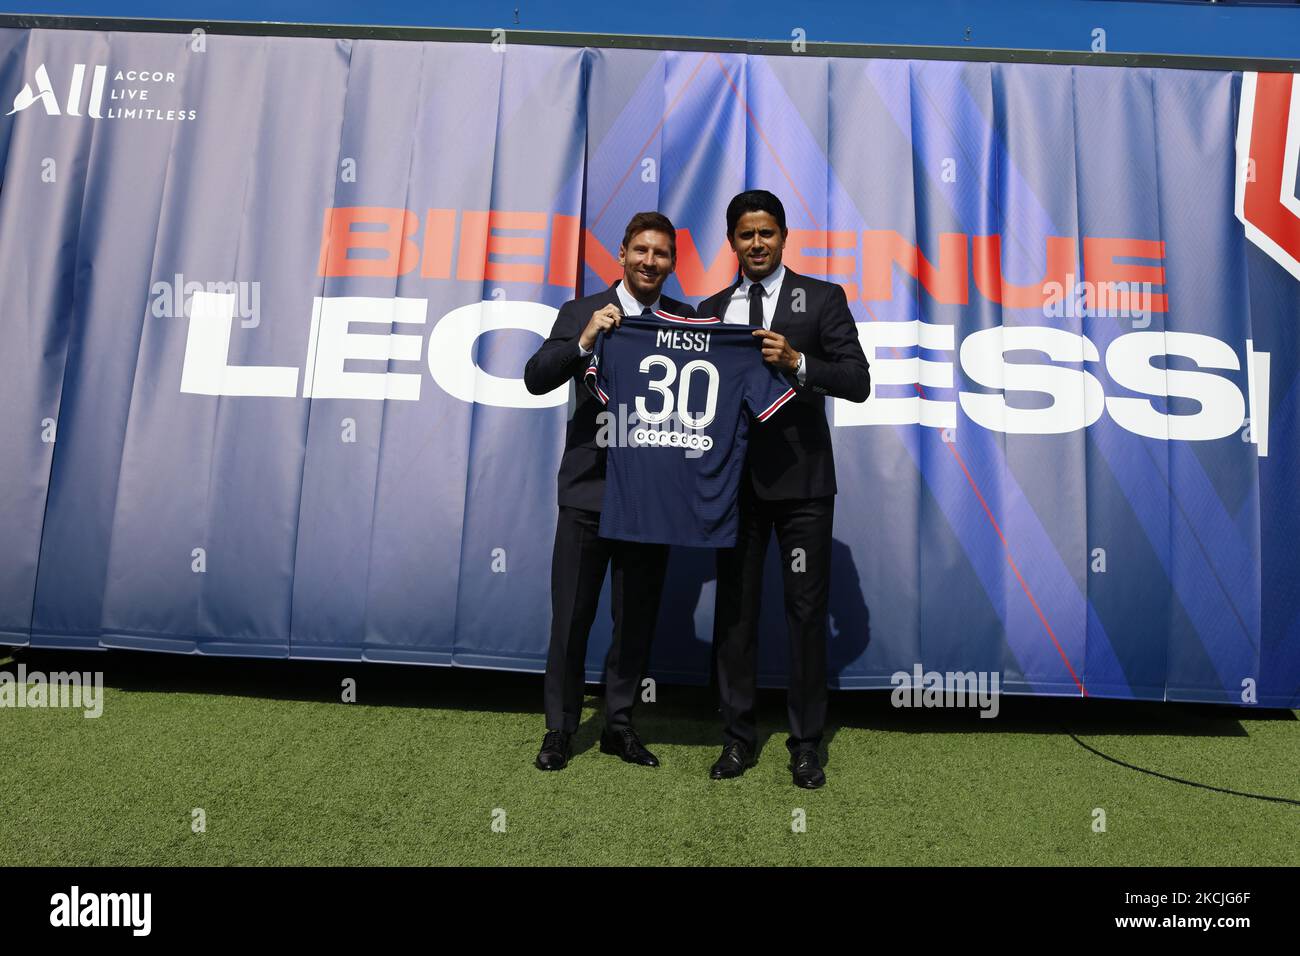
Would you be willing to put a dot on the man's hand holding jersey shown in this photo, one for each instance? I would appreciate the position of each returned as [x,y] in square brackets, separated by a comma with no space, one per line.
[777,351]
[602,320]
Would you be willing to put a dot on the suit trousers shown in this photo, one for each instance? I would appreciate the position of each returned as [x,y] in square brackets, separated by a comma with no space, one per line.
[578,566]
[803,532]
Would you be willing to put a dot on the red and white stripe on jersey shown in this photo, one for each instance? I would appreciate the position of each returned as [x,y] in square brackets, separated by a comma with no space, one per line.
[681,318]
[593,385]
[771,410]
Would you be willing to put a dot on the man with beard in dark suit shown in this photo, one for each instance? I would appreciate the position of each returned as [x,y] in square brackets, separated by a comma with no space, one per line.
[648,255]
[807,332]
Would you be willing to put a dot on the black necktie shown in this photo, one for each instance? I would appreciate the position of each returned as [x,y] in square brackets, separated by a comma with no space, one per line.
[646,311]
[756,305]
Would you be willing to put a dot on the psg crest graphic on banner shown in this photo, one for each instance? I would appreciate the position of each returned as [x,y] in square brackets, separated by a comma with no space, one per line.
[267,303]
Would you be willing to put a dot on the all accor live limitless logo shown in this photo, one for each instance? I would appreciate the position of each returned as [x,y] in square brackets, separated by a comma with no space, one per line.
[130,95]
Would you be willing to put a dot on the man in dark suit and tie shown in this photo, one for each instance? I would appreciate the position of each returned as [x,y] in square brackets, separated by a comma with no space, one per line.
[806,330]
[648,255]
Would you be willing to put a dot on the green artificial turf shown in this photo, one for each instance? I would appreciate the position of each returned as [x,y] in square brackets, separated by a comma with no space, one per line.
[413,772]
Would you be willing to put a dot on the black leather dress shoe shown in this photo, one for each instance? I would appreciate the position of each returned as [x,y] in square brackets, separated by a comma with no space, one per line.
[806,767]
[735,760]
[624,743]
[557,748]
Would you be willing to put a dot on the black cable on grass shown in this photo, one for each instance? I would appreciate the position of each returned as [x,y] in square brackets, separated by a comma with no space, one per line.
[1190,783]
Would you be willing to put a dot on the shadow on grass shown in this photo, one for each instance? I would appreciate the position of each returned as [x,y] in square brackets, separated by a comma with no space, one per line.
[682,715]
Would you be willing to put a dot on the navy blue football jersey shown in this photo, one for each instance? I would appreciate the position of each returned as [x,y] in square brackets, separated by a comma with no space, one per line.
[680,395]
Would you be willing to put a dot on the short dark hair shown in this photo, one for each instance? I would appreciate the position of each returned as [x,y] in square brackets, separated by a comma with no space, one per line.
[654,221]
[754,200]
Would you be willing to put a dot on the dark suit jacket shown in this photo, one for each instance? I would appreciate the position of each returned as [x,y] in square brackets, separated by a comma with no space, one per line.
[790,454]
[582,469]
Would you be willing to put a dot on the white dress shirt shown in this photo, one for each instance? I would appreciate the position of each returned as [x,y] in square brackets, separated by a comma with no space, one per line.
[738,307]
[631,309]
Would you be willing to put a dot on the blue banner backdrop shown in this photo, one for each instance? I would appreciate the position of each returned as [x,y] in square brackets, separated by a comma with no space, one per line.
[267,303]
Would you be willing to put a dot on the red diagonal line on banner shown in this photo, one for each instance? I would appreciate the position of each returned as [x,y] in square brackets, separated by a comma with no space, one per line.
[1006,546]
[1024,585]
[636,160]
